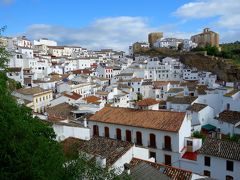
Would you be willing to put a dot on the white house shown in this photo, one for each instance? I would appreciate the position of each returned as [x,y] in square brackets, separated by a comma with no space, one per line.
[218,159]
[162,132]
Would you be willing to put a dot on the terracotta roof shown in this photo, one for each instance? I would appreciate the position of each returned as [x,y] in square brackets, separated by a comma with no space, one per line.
[159,84]
[172,172]
[60,112]
[91,99]
[196,107]
[147,102]
[150,119]
[31,91]
[221,148]
[232,117]
[181,100]
[107,148]
[82,71]
[103,93]
[72,95]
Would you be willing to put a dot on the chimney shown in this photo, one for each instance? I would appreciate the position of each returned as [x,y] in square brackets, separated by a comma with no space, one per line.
[101,161]
[85,122]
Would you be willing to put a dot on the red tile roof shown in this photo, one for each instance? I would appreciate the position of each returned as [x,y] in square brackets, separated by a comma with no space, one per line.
[91,99]
[72,95]
[147,102]
[82,71]
[173,172]
[190,156]
[160,120]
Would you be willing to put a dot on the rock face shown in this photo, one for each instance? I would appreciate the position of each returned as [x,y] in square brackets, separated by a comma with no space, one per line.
[222,68]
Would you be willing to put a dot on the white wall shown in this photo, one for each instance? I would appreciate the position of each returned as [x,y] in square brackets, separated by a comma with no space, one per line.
[64,132]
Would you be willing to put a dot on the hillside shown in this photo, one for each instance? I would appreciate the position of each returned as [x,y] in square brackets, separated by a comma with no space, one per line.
[225,69]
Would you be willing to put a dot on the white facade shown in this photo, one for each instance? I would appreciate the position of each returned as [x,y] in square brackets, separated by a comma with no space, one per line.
[177,139]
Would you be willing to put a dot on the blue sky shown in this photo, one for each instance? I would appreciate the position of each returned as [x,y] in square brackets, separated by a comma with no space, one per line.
[117,23]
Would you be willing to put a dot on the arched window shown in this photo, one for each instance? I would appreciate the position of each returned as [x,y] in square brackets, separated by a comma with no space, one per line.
[167,143]
[128,136]
[95,130]
[138,138]
[106,132]
[152,140]
[119,134]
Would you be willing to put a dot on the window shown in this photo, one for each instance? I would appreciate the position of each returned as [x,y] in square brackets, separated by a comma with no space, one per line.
[167,143]
[138,138]
[119,135]
[95,130]
[207,161]
[152,140]
[106,132]
[152,155]
[229,165]
[128,136]
[207,173]
[229,177]
[168,159]
[189,143]
[228,106]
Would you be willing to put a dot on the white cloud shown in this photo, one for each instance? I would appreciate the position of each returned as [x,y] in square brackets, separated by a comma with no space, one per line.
[112,32]
[227,12]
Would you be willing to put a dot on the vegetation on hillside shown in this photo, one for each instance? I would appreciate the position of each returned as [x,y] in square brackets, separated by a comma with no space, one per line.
[228,51]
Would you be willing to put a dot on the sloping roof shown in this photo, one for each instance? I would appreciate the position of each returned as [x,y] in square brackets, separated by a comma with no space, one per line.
[30,91]
[196,107]
[159,84]
[144,171]
[221,148]
[147,102]
[102,93]
[232,117]
[172,172]
[72,95]
[60,112]
[107,148]
[181,100]
[91,99]
[160,120]
[82,71]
